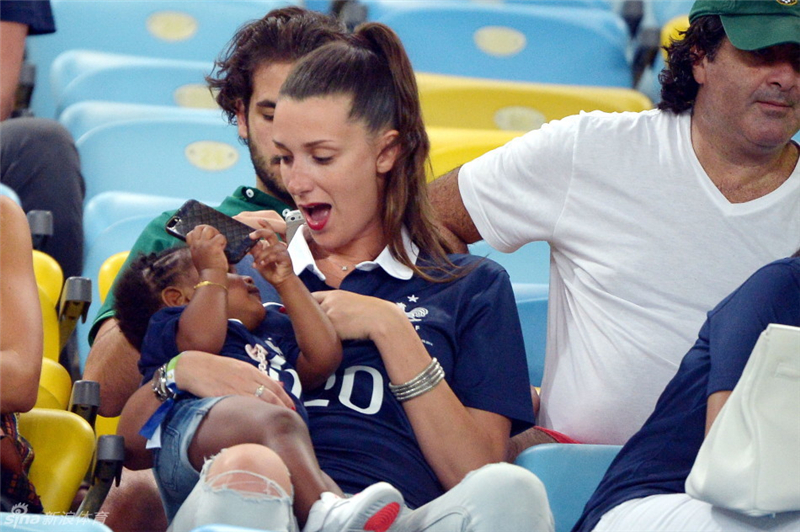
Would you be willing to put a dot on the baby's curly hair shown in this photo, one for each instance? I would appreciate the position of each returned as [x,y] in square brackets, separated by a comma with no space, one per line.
[137,291]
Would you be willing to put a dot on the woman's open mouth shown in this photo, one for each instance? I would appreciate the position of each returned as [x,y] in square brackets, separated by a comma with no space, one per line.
[316,215]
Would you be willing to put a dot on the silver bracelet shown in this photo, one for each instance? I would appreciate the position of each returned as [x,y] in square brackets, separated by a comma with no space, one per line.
[160,384]
[422,383]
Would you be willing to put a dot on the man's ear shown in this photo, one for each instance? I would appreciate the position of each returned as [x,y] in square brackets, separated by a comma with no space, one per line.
[241,119]
[173,296]
[390,148]
[699,67]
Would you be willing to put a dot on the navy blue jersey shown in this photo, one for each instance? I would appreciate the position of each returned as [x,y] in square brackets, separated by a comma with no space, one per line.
[36,14]
[279,353]
[360,431]
[658,458]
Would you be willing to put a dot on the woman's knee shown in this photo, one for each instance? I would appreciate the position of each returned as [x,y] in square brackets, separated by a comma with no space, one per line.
[508,483]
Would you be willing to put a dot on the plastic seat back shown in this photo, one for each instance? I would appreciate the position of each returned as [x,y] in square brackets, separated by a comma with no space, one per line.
[107,208]
[168,156]
[455,101]
[452,147]
[81,117]
[570,474]
[118,237]
[49,275]
[84,75]
[177,29]
[542,43]
[63,445]
[531,302]
[55,386]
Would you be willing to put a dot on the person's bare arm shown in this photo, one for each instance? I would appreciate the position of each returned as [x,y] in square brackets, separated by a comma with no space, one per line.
[12,49]
[203,325]
[321,349]
[456,226]
[137,411]
[112,362]
[455,439]
[21,341]
[203,375]
[715,403]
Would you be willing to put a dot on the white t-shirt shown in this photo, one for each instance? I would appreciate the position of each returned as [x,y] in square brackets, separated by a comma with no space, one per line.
[642,246]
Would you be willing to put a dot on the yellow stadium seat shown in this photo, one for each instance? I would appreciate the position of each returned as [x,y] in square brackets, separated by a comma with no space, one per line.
[52,346]
[452,147]
[108,272]
[671,31]
[49,275]
[55,386]
[453,101]
[63,445]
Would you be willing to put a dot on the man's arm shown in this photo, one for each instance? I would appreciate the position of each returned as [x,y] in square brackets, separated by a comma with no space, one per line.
[456,226]
[112,362]
[12,48]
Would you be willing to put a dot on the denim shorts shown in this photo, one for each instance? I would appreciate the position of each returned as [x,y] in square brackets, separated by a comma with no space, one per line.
[175,475]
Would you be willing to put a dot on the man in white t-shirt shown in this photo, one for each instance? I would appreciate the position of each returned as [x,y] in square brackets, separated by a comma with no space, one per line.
[651,217]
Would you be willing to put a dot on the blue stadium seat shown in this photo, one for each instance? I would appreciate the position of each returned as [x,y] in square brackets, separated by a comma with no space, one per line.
[378,8]
[663,12]
[528,264]
[108,208]
[6,190]
[176,29]
[165,156]
[542,43]
[80,75]
[79,118]
[531,302]
[570,473]
[119,236]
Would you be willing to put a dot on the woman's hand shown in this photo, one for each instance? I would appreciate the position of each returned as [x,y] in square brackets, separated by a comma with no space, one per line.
[207,245]
[206,375]
[271,256]
[358,317]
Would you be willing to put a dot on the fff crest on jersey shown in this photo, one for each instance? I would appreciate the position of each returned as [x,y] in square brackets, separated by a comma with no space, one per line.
[416,313]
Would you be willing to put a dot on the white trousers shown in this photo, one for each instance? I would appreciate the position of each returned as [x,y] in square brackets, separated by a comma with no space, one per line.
[495,497]
[678,512]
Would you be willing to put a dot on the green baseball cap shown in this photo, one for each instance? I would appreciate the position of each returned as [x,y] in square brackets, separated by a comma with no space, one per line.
[754,24]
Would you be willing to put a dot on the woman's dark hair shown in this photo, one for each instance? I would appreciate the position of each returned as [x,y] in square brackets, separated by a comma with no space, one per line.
[372,67]
[137,291]
[282,36]
[678,86]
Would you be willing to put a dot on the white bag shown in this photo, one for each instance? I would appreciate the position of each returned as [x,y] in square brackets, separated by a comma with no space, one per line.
[750,460]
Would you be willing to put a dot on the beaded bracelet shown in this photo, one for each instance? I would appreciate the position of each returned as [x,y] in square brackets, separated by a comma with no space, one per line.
[426,381]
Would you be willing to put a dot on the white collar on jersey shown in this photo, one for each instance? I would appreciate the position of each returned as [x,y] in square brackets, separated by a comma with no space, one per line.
[302,258]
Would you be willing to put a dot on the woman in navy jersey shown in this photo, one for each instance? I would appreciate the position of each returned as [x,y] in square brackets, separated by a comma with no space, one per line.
[433,380]
[644,488]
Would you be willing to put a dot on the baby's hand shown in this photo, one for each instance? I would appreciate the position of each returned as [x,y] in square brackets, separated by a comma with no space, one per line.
[270,255]
[208,248]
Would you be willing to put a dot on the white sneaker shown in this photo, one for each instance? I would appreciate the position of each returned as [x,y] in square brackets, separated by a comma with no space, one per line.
[372,510]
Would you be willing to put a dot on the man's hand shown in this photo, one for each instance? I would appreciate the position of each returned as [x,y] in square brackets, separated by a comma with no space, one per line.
[253,219]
